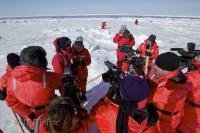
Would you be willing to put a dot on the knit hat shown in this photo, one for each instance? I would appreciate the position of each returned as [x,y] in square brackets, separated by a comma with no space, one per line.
[33,56]
[123,27]
[64,42]
[168,61]
[13,60]
[79,41]
[134,88]
[152,38]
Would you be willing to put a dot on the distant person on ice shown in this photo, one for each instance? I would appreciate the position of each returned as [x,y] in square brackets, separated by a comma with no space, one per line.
[123,37]
[136,22]
[31,87]
[103,25]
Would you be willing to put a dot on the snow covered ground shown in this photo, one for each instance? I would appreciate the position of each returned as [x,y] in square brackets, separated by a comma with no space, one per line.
[16,34]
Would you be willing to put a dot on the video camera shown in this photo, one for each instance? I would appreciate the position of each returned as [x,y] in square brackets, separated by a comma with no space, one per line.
[113,77]
[69,88]
[186,56]
[134,59]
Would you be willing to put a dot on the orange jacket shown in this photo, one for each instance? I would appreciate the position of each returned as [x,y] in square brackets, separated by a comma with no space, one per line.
[4,78]
[154,50]
[192,106]
[169,96]
[60,61]
[84,123]
[81,71]
[33,86]
[105,113]
[120,40]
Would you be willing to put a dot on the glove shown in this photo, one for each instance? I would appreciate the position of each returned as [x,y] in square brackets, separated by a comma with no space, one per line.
[32,116]
[128,36]
[82,62]
[148,54]
[3,95]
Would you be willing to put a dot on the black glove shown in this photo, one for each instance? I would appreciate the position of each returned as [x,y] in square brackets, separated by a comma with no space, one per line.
[148,54]
[32,116]
[3,94]
[82,62]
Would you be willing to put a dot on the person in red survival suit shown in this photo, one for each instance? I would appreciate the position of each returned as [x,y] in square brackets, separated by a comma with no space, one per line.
[127,113]
[149,48]
[13,61]
[81,59]
[63,117]
[124,37]
[62,59]
[190,122]
[103,25]
[31,87]
[170,92]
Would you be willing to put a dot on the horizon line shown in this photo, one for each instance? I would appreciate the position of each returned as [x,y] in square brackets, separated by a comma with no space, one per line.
[99,16]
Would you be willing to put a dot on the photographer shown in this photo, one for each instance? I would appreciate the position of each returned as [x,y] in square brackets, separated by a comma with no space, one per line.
[149,50]
[190,121]
[170,92]
[123,37]
[127,112]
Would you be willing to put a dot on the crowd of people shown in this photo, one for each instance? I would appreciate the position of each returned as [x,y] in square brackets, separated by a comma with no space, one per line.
[161,100]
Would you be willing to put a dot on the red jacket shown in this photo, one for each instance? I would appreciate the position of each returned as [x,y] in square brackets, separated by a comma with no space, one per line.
[120,40]
[154,50]
[169,96]
[105,113]
[34,86]
[4,78]
[85,125]
[82,71]
[192,106]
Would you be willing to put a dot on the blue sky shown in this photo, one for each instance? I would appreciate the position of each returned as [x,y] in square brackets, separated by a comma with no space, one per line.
[70,7]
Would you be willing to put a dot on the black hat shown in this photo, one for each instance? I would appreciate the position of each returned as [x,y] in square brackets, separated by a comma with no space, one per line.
[168,61]
[13,60]
[64,42]
[34,56]
[152,38]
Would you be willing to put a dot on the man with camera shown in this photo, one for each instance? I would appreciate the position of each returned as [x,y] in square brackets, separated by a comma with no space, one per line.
[190,122]
[123,37]
[170,92]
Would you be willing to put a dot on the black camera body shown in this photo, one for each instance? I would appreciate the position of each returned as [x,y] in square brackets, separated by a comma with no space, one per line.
[134,59]
[186,56]
[69,89]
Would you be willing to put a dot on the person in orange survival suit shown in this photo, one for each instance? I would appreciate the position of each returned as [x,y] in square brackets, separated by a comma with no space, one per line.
[127,113]
[62,59]
[190,122]
[13,61]
[63,116]
[123,37]
[81,59]
[170,92]
[31,87]
[149,48]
